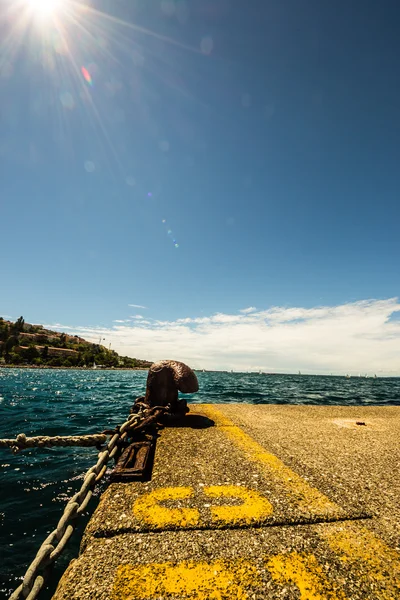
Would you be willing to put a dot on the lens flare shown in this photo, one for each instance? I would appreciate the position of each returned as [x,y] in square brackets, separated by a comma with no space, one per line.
[170,233]
[86,75]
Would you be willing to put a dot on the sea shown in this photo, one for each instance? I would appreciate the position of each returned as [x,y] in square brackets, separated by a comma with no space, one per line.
[35,484]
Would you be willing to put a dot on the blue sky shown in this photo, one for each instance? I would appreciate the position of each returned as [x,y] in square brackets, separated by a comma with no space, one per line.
[200,158]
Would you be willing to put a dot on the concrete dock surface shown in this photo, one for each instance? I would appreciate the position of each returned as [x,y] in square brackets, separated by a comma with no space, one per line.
[253,501]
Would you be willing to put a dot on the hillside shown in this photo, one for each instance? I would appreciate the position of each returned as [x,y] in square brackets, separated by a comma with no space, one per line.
[25,344]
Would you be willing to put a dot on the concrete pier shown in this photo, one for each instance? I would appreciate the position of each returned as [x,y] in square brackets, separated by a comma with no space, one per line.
[253,501]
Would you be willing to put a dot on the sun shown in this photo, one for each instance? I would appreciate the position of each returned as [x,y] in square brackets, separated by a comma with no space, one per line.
[45,8]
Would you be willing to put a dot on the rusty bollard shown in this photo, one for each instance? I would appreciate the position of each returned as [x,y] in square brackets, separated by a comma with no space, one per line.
[164,380]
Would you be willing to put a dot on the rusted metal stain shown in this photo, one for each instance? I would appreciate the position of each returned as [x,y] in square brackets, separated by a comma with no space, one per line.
[133,462]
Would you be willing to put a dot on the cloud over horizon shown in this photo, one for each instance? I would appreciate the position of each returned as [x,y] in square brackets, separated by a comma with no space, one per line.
[357,337]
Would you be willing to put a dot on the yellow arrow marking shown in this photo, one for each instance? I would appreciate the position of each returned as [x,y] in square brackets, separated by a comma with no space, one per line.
[254,507]
[147,508]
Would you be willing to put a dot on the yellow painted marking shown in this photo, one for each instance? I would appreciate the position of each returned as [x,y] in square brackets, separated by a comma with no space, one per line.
[222,579]
[304,571]
[358,547]
[254,507]
[218,580]
[147,508]
[366,556]
[307,497]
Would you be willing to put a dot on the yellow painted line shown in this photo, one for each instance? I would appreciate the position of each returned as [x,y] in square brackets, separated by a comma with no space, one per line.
[306,497]
[304,571]
[357,547]
[353,543]
[253,509]
[223,579]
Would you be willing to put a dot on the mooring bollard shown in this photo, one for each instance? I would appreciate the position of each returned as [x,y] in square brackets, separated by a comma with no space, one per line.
[158,406]
[164,380]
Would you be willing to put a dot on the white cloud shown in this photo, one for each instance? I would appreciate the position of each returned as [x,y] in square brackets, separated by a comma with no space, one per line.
[137,306]
[196,320]
[248,310]
[221,318]
[358,337]
[122,321]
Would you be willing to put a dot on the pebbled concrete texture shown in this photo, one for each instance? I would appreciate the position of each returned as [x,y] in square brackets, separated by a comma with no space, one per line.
[196,459]
[279,562]
[354,465]
[253,501]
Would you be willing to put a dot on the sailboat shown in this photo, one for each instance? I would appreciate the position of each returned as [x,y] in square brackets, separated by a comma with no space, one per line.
[94,365]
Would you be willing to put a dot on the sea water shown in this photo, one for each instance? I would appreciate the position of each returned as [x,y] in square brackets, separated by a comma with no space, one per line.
[35,484]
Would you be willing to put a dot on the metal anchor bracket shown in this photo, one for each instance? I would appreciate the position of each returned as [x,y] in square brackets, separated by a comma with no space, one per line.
[133,462]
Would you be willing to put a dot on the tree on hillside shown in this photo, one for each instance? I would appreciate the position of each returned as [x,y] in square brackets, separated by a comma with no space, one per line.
[18,325]
[4,331]
[10,343]
[31,353]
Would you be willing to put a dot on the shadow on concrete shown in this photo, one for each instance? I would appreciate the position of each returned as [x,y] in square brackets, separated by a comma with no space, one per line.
[189,420]
[192,421]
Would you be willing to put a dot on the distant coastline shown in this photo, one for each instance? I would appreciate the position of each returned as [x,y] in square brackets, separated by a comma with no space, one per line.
[24,345]
[24,366]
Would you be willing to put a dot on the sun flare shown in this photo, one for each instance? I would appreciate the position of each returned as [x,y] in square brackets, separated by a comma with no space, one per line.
[45,8]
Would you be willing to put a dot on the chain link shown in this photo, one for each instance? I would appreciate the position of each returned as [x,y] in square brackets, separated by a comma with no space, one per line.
[55,542]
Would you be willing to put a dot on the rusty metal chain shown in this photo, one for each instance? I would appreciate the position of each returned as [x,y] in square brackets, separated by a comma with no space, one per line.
[144,414]
[22,441]
[38,571]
